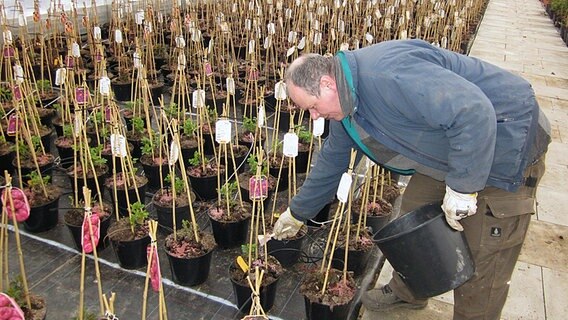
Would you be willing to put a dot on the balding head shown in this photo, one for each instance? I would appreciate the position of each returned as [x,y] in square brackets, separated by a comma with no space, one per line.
[306,71]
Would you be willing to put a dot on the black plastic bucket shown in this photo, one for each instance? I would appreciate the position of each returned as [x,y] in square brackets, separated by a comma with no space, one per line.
[430,257]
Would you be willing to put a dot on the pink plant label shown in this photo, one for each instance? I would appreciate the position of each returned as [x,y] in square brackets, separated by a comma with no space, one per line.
[9,52]
[208,69]
[87,242]
[258,188]
[81,95]
[69,62]
[17,92]
[12,125]
[9,308]
[108,114]
[155,276]
[21,205]
[253,75]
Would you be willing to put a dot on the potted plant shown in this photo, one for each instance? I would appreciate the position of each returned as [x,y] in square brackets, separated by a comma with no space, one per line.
[188,140]
[74,217]
[7,152]
[327,296]
[204,175]
[90,171]
[126,188]
[304,145]
[154,160]
[229,217]
[37,308]
[130,236]
[43,198]
[248,132]
[189,252]
[173,194]
[135,136]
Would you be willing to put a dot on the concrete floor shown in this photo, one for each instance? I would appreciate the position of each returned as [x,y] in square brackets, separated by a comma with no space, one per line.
[518,36]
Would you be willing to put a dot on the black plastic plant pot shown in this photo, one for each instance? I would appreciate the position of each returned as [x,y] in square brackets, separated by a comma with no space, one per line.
[136,152]
[122,91]
[165,216]
[131,254]
[318,311]
[66,155]
[204,187]
[121,198]
[190,271]
[230,234]
[45,169]
[243,294]
[356,260]
[43,218]
[90,183]
[209,145]
[76,232]
[283,181]
[376,223]
[302,161]
[187,153]
[153,175]
[287,252]
[6,162]
[429,255]
[322,216]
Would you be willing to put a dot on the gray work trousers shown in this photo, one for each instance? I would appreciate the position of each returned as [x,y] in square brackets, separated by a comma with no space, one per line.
[495,235]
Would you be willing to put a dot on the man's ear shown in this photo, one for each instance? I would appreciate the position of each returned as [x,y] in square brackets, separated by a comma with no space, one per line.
[327,82]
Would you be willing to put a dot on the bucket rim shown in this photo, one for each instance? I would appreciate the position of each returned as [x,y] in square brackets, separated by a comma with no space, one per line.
[409,230]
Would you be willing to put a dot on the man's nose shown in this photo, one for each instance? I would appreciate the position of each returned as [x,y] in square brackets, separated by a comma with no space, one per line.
[314,114]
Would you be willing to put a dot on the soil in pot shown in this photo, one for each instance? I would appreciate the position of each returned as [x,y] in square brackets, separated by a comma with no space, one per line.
[190,260]
[121,192]
[27,165]
[129,248]
[44,210]
[272,272]
[204,180]
[73,218]
[90,182]
[335,302]
[230,230]
[359,251]
[378,213]
[163,201]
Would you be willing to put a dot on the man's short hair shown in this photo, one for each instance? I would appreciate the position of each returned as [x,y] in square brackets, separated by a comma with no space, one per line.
[306,72]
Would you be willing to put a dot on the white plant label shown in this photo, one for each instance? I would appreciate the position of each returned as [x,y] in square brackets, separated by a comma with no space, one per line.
[7,37]
[271,28]
[290,148]
[136,60]
[341,26]
[97,35]
[316,25]
[356,44]
[318,127]
[290,51]
[60,76]
[75,50]
[444,42]
[261,116]
[302,43]
[288,13]
[344,46]
[333,34]
[251,46]
[235,7]
[292,36]
[181,62]
[198,98]
[317,38]
[230,84]
[369,37]
[378,14]
[196,35]
[139,17]
[280,90]
[180,42]
[18,73]
[104,86]
[77,123]
[223,131]
[117,36]
[248,24]
[344,187]
[174,153]
[403,34]
[267,42]
[118,145]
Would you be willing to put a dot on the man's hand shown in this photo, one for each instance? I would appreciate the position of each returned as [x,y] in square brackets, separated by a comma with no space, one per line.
[457,206]
[286,226]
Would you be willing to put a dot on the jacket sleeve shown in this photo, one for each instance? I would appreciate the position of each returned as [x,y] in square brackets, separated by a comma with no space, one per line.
[322,182]
[434,98]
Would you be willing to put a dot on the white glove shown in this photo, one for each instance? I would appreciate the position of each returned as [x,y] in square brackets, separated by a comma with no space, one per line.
[457,206]
[286,226]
